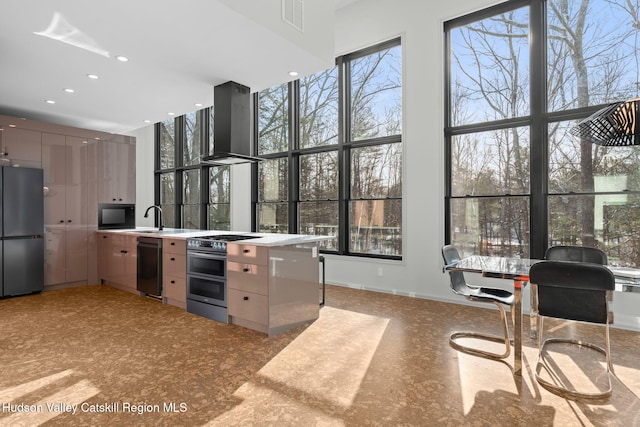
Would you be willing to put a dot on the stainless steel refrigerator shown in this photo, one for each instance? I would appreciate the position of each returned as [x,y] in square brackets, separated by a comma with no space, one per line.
[22,219]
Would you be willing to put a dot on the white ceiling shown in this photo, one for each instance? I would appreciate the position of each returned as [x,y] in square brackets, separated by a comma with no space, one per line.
[177,52]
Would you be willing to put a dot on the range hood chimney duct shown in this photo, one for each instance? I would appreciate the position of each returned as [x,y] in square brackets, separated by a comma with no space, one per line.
[231,125]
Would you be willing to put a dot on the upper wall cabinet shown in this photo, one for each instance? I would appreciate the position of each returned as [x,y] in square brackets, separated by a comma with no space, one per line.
[117,171]
[23,146]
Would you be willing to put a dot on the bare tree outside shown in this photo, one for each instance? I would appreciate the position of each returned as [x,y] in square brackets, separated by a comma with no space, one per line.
[376,180]
[592,56]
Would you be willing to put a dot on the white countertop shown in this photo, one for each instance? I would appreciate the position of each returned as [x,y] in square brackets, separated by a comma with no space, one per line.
[261,239]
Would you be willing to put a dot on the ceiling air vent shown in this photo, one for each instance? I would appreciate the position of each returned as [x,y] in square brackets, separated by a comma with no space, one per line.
[293,13]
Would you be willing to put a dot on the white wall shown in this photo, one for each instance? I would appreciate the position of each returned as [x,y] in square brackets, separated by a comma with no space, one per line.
[144,174]
[420,24]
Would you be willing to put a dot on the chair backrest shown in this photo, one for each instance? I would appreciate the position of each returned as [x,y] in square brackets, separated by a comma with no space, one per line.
[572,290]
[457,281]
[576,253]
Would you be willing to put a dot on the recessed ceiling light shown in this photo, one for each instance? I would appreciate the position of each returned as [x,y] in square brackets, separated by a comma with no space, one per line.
[147,121]
[122,58]
[68,90]
[92,76]
[293,73]
[171,114]
[198,104]
[49,101]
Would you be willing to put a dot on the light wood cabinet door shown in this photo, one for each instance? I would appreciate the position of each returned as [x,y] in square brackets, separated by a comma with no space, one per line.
[65,203]
[23,146]
[116,172]
[118,259]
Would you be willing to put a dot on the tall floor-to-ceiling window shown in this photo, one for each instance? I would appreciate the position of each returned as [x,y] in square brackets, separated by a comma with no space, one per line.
[332,143]
[191,194]
[520,76]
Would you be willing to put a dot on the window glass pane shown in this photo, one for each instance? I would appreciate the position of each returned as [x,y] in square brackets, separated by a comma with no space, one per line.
[376,227]
[576,166]
[273,218]
[494,162]
[168,215]
[376,171]
[167,188]
[593,52]
[320,218]
[191,189]
[319,109]
[492,226]
[490,69]
[167,144]
[191,217]
[319,176]
[191,199]
[376,94]
[273,120]
[219,184]
[192,138]
[608,222]
[219,216]
[273,180]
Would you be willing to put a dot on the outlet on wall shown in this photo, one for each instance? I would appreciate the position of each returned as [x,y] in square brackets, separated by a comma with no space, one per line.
[380,272]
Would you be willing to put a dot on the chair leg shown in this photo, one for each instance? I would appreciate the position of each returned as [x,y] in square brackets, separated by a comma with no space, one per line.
[559,389]
[493,338]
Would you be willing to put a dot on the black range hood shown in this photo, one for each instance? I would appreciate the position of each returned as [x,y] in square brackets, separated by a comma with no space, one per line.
[231,125]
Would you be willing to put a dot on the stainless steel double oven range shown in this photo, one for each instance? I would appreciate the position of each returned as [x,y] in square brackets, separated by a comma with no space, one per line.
[207,275]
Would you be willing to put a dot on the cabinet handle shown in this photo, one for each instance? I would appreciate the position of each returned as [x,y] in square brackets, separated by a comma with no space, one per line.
[245,298]
[246,251]
[113,200]
[61,221]
[246,270]
[123,252]
[69,221]
[173,243]
[119,200]
[104,237]
[173,259]
[173,281]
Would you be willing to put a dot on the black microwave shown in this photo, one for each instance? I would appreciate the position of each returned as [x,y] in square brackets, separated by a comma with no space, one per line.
[116,215]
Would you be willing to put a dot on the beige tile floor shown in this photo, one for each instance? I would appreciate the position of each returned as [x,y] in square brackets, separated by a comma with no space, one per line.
[371,359]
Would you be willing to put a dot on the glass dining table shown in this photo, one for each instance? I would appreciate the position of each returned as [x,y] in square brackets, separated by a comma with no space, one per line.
[517,270]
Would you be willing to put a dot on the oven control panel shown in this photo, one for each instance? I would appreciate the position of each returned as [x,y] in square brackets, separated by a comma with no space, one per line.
[210,245]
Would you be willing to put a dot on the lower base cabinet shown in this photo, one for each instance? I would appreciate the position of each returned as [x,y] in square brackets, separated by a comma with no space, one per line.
[272,289]
[118,260]
[174,272]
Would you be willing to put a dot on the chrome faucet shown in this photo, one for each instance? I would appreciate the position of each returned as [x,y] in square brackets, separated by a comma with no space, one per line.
[159,209]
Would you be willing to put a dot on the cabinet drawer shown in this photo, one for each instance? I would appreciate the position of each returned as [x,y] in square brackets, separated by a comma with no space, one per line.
[174,288]
[248,277]
[248,254]
[248,306]
[174,246]
[174,264]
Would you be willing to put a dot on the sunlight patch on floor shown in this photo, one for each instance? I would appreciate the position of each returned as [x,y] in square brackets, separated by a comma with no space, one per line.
[10,393]
[322,368]
[479,375]
[72,395]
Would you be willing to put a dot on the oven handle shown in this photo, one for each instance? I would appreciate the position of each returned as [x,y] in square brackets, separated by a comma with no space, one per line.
[207,255]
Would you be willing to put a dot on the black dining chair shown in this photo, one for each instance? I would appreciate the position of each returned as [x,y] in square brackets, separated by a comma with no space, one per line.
[573,291]
[576,253]
[499,297]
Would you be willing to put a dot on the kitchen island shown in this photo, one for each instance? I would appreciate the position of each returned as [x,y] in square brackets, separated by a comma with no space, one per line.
[271,280]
